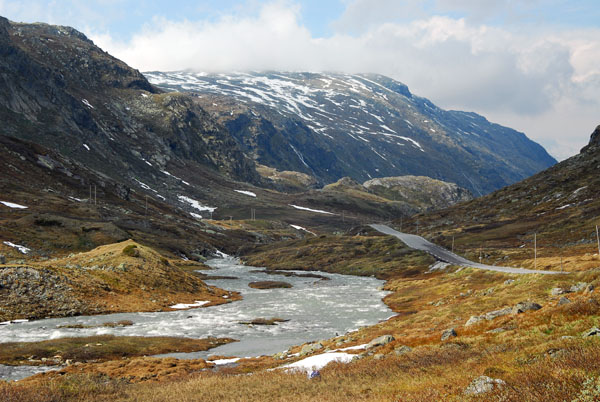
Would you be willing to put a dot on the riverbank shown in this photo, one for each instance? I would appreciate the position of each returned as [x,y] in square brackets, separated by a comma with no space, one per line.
[120,277]
[532,333]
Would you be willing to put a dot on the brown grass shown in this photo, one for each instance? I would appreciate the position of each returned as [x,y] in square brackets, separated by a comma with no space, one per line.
[99,348]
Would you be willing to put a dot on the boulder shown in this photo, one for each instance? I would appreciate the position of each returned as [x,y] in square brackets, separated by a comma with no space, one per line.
[593,332]
[559,291]
[497,313]
[482,385]
[563,300]
[310,348]
[525,306]
[474,320]
[589,288]
[509,281]
[447,334]
[380,341]
[579,287]
[402,350]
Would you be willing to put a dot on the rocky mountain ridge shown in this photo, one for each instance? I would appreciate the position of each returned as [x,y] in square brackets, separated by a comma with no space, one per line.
[331,125]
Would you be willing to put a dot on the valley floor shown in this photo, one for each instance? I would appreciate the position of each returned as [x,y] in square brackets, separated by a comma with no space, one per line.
[532,335]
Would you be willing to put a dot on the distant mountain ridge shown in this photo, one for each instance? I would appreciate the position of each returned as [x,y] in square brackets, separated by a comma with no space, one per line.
[364,126]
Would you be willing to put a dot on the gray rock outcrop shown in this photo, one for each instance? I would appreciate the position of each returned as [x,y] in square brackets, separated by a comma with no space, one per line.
[482,385]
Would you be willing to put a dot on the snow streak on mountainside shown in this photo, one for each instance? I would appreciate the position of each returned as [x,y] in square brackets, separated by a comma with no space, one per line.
[363,126]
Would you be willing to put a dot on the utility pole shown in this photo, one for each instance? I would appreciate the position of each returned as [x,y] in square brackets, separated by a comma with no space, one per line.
[90,197]
[401,223]
[535,250]
[94,194]
[598,238]
[417,227]
[453,244]
[146,210]
[561,264]
[343,217]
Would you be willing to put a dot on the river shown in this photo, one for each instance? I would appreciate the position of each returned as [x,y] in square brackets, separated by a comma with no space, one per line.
[316,309]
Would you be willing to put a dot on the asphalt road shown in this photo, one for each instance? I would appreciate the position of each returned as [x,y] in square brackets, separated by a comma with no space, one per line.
[441,254]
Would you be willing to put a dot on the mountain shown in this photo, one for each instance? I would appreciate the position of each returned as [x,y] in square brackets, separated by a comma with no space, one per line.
[561,204]
[364,126]
[61,91]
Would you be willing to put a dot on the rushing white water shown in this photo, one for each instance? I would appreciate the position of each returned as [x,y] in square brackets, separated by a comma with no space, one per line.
[316,309]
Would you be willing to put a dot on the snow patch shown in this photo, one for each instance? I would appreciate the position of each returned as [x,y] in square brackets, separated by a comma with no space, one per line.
[86,147]
[319,361]
[221,362]
[195,204]
[88,104]
[249,193]
[197,216]
[13,205]
[357,347]
[183,306]
[319,211]
[22,249]
[301,228]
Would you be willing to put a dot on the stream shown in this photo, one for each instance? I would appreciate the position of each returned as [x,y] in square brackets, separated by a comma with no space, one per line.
[316,309]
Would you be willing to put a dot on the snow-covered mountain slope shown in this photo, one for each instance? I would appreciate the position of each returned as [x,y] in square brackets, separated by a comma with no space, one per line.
[364,126]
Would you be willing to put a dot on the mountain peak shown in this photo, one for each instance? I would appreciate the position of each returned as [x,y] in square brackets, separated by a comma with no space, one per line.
[594,140]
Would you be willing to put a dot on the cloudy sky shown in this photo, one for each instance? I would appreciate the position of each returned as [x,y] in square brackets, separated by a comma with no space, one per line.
[533,65]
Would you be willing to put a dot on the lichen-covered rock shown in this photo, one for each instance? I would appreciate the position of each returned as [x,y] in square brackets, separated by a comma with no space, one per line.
[380,341]
[447,334]
[593,332]
[563,300]
[402,350]
[578,287]
[310,348]
[525,306]
[559,291]
[482,385]
[474,320]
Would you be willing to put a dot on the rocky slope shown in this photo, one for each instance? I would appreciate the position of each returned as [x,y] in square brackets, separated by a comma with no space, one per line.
[423,192]
[61,91]
[561,202]
[363,126]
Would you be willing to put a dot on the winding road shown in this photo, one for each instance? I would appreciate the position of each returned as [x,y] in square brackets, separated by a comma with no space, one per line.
[442,254]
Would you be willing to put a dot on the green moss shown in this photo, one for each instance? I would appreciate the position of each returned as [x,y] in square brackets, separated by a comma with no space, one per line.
[131,251]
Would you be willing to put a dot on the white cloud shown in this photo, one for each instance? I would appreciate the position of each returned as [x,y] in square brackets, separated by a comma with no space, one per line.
[535,78]
[544,84]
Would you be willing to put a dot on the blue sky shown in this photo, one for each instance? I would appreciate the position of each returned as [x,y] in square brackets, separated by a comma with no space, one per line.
[533,65]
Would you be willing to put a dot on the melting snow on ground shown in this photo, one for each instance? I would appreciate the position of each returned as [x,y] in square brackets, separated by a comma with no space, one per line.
[197,216]
[14,321]
[13,205]
[301,228]
[319,211]
[183,306]
[22,249]
[86,147]
[221,362]
[88,104]
[319,361]
[195,204]
[250,193]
